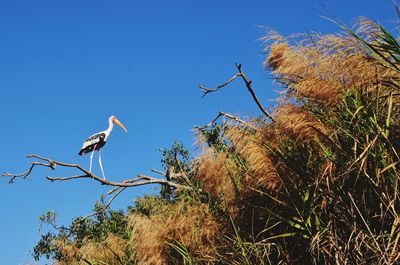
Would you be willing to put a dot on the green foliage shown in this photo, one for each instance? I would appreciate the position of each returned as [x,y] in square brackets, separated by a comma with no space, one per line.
[103,223]
[46,248]
[177,156]
[176,159]
[215,136]
[149,205]
[95,228]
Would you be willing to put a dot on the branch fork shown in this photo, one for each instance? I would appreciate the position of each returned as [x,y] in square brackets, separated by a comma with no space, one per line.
[248,84]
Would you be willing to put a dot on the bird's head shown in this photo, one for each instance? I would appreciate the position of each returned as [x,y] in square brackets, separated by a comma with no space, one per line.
[114,119]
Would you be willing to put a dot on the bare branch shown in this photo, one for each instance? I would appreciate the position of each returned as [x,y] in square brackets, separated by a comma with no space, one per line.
[248,85]
[113,190]
[253,94]
[230,116]
[119,187]
[133,182]
[209,90]
[107,205]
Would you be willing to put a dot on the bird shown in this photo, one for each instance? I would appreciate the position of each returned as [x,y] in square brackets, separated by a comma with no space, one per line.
[98,140]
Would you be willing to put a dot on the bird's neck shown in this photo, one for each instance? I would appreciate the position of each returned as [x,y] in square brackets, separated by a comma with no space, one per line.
[110,127]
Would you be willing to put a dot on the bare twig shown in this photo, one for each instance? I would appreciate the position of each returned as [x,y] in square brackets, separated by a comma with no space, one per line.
[230,116]
[248,85]
[209,90]
[120,190]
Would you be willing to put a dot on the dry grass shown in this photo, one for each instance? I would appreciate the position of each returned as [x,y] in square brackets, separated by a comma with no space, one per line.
[193,225]
[219,174]
[323,67]
[112,250]
[261,172]
[300,124]
[69,251]
[109,251]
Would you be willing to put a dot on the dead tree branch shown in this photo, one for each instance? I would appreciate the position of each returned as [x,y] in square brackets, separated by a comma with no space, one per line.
[209,90]
[248,85]
[140,180]
[118,187]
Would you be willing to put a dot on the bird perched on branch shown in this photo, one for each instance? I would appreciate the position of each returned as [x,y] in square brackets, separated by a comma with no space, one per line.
[98,140]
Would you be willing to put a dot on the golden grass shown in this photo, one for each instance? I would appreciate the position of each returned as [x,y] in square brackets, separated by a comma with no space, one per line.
[323,67]
[109,251]
[295,121]
[261,171]
[68,250]
[218,172]
[191,224]
[112,250]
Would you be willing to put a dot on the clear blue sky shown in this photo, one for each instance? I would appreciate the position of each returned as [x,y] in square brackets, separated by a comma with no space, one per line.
[66,66]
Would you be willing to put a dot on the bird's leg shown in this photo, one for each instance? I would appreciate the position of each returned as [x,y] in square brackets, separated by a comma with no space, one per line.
[91,159]
[101,166]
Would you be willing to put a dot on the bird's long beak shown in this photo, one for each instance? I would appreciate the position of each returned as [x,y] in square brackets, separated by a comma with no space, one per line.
[120,125]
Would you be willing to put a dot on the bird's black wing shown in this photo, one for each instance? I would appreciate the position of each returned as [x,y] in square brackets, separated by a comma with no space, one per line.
[95,141]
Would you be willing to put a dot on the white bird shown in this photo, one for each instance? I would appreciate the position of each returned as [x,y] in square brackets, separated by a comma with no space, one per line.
[98,140]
